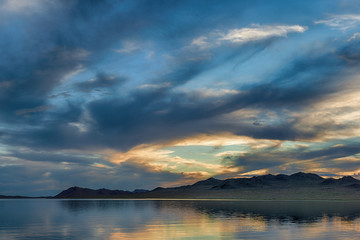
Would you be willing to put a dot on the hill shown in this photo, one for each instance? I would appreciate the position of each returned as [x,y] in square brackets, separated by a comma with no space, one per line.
[300,185]
[12,197]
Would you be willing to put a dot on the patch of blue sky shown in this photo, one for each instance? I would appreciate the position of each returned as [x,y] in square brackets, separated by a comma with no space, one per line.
[206,154]
[198,153]
[139,66]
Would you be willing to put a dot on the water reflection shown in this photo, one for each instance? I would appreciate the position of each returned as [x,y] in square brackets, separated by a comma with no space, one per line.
[229,219]
[293,211]
[171,219]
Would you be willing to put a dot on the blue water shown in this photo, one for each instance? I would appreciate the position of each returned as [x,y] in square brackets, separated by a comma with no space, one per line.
[176,219]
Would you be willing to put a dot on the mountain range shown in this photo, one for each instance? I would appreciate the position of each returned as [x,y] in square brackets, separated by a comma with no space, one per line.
[296,186]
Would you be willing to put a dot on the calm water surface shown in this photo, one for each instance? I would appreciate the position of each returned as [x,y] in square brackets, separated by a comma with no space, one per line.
[175,219]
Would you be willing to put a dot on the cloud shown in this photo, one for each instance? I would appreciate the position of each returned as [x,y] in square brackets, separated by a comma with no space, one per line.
[334,116]
[156,158]
[50,179]
[34,110]
[128,47]
[159,106]
[255,172]
[342,22]
[229,153]
[61,94]
[22,6]
[214,93]
[201,42]
[100,81]
[288,158]
[150,54]
[355,172]
[354,36]
[51,172]
[223,139]
[150,114]
[244,35]
[30,86]
[163,85]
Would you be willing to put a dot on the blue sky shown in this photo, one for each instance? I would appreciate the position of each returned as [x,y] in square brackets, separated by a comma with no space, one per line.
[140,94]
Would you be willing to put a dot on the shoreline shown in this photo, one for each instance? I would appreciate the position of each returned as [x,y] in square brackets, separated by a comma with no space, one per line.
[189,199]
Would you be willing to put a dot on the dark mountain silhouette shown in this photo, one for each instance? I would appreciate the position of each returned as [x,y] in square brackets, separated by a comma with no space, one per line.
[4,196]
[344,181]
[281,180]
[20,197]
[297,180]
[78,192]
[296,186]
[210,181]
[140,191]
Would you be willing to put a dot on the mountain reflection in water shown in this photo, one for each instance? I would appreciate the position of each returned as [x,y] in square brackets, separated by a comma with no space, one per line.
[174,219]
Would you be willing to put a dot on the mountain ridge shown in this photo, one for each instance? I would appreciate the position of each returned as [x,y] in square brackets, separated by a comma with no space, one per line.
[297,185]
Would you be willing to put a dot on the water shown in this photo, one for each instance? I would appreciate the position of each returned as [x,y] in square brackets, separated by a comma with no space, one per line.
[175,219]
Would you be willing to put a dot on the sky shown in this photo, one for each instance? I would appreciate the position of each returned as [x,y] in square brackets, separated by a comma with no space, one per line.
[146,93]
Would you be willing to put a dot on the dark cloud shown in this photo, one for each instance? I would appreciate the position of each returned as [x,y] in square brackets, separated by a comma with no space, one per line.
[57,41]
[51,179]
[86,32]
[351,52]
[305,157]
[28,87]
[53,157]
[62,94]
[161,110]
[332,152]
[100,82]
[160,114]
